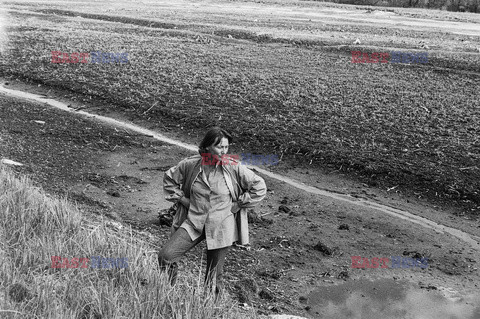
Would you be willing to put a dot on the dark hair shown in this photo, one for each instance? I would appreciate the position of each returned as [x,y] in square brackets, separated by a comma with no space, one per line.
[213,137]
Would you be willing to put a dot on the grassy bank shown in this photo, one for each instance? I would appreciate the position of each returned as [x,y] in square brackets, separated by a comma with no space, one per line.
[415,127]
[35,226]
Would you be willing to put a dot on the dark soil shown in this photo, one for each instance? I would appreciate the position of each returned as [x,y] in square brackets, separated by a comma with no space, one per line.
[112,172]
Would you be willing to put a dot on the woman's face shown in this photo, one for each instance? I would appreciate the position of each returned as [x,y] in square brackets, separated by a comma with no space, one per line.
[219,149]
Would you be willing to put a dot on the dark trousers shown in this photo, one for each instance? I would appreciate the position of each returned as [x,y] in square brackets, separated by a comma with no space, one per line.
[178,244]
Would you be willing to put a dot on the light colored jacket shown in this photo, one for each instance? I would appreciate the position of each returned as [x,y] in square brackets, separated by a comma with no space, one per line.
[246,188]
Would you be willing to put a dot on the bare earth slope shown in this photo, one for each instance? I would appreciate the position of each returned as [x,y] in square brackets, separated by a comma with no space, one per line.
[114,172]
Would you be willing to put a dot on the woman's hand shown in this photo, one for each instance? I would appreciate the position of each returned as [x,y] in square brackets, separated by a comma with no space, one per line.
[185,201]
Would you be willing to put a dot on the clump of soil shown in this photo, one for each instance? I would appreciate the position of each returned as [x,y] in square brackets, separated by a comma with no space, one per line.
[324,249]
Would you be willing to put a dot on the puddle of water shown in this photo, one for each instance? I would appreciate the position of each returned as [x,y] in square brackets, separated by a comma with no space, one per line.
[474,241]
[387,298]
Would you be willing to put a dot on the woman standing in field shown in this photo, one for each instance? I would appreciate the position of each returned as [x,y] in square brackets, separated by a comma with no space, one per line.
[213,193]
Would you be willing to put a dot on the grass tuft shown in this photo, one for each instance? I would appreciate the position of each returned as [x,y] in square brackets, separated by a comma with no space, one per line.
[35,226]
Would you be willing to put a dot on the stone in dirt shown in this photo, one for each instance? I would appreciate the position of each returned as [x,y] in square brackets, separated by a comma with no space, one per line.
[113,193]
[165,216]
[284,209]
[165,219]
[323,249]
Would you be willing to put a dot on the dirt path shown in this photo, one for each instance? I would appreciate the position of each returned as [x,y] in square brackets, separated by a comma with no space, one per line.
[118,171]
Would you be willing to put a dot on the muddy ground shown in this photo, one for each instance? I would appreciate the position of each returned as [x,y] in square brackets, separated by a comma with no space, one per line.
[300,242]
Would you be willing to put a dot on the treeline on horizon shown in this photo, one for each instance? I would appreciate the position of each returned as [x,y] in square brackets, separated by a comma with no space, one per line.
[448,5]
